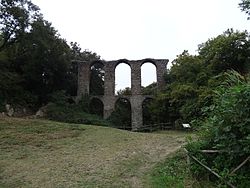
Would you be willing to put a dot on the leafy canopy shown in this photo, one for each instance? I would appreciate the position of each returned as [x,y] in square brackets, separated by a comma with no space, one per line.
[245,6]
[16,17]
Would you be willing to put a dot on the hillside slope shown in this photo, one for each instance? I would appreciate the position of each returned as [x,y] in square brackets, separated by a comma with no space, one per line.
[40,153]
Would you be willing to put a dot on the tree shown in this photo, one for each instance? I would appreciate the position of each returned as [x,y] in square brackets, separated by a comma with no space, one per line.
[180,100]
[245,6]
[42,59]
[229,50]
[186,69]
[125,91]
[146,113]
[121,117]
[97,79]
[16,17]
[9,82]
[191,79]
[35,61]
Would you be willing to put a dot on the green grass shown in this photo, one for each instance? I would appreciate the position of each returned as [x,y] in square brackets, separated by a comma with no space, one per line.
[171,173]
[174,172]
[41,153]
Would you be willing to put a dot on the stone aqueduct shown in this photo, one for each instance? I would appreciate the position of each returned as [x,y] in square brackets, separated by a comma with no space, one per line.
[109,98]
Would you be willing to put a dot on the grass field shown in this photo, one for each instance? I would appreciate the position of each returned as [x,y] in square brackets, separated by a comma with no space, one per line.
[40,153]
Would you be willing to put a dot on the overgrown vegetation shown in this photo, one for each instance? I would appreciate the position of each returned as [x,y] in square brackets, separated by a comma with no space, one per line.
[211,91]
[226,129]
[171,173]
[175,172]
[192,79]
[121,117]
[62,108]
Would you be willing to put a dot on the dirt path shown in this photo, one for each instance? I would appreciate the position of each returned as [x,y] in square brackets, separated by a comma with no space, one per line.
[154,151]
[87,157]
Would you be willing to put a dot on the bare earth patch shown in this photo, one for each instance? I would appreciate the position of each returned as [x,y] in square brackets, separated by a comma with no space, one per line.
[38,153]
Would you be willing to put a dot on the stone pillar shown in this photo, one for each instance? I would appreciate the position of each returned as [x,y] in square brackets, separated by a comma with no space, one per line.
[136,110]
[109,79]
[135,99]
[83,79]
[108,105]
[161,67]
[109,89]
[135,78]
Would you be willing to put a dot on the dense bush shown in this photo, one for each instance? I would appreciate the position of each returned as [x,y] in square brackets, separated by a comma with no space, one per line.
[227,129]
[121,117]
[174,172]
[63,108]
[72,113]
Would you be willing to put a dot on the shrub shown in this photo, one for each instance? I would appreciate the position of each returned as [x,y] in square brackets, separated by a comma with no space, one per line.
[227,128]
[62,108]
[73,113]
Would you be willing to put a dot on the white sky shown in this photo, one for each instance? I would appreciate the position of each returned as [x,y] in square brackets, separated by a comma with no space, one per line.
[138,29]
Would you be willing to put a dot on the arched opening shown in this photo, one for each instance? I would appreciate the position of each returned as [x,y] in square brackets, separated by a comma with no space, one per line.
[146,112]
[148,78]
[96,86]
[121,117]
[96,107]
[123,79]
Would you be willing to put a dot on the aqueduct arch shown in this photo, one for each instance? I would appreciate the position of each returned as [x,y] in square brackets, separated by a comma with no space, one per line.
[109,98]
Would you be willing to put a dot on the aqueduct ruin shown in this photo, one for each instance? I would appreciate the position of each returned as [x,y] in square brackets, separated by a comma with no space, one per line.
[109,98]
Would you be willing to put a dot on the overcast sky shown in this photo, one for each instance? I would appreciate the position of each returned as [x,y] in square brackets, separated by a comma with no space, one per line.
[138,29]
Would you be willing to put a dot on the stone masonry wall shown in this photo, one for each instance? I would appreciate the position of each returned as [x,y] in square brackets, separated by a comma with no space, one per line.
[109,99]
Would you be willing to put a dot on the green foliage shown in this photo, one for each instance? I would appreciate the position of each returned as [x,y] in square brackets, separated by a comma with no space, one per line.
[227,128]
[72,113]
[47,61]
[146,113]
[96,107]
[126,91]
[245,6]
[59,97]
[191,79]
[161,110]
[34,60]
[16,17]
[62,108]
[96,85]
[227,51]
[174,172]
[185,69]
[121,117]
[180,101]
[84,103]
[150,89]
